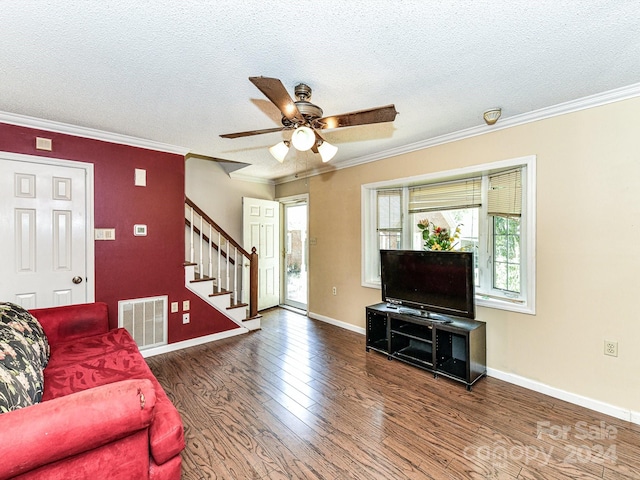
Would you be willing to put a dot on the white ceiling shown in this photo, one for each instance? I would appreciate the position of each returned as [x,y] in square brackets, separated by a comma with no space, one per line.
[176,72]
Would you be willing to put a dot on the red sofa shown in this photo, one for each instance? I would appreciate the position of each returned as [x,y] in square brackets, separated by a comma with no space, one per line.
[102,413]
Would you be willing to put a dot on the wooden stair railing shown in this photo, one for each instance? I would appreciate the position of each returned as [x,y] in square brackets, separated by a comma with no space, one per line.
[221,255]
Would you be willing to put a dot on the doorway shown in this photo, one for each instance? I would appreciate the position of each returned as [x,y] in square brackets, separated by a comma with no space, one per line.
[261,224]
[295,262]
[47,208]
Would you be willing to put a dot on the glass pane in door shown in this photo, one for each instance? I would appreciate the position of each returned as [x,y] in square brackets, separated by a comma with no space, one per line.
[295,258]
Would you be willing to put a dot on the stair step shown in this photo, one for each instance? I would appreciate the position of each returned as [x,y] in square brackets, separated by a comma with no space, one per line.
[252,323]
[221,292]
[201,279]
[238,305]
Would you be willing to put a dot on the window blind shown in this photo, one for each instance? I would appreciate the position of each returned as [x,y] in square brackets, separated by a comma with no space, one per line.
[389,209]
[505,194]
[446,196]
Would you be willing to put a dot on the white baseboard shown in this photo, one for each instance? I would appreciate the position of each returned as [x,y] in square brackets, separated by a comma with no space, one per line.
[172,347]
[596,405]
[590,403]
[337,323]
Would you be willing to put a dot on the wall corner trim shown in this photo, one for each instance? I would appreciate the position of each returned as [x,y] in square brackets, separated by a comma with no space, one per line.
[85,132]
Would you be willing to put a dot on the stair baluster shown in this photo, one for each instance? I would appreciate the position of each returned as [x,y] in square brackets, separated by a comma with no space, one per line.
[210,269]
[226,257]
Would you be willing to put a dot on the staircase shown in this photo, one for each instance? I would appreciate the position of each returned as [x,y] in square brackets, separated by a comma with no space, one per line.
[219,270]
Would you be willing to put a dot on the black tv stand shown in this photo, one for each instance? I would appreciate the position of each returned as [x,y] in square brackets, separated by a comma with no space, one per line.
[452,347]
[434,317]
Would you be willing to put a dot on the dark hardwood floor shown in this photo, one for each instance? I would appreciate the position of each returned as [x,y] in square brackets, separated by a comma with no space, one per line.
[302,399]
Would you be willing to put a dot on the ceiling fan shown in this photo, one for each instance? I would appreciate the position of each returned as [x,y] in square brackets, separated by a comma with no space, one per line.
[306,120]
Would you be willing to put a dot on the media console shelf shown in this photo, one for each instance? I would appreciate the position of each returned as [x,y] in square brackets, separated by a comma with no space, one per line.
[449,346]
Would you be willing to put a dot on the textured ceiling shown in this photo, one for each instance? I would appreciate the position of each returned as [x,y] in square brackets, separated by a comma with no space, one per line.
[177,72]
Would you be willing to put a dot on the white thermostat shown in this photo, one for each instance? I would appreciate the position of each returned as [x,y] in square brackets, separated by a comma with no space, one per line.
[140,230]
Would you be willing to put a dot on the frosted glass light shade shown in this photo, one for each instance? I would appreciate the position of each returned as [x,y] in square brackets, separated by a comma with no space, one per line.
[303,138]
[279,151]
[492,116]
[327,151]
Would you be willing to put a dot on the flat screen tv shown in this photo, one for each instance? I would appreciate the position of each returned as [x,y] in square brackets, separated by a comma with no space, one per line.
[429,281]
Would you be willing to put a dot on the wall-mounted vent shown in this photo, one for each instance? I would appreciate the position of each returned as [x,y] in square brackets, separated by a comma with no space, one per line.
[145,319]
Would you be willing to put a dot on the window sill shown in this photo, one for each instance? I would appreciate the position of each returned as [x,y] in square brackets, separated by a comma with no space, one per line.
[505,304]
[482,301]
[372,284]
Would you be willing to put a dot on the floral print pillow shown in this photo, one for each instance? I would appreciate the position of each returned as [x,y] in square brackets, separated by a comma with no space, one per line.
[13,393]
[24,351]
[21,320]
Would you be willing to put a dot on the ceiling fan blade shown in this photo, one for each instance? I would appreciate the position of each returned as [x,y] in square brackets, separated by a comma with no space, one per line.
[361,117]
[252,132]
[275,91]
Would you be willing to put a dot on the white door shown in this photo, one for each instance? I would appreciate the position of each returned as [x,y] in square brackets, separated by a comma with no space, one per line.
[43,216]
[261,229]
[295,255]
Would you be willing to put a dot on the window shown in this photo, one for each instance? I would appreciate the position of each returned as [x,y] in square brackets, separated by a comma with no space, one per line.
[389,219]
[504,207]
[493,206]
[506,254]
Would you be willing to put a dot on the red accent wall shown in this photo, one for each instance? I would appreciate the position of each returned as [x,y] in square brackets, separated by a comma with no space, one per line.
[132,267]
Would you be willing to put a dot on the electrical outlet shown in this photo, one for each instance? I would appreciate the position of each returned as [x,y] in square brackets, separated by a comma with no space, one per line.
[185,318]
[334,290]
[174,307]
[611,348]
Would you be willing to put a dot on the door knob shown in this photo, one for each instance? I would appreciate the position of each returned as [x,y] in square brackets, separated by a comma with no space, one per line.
[77,280]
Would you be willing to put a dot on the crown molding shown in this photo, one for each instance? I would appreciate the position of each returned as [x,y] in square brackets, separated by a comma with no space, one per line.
[611,96]
[84,132]
[592,101]
[248,178]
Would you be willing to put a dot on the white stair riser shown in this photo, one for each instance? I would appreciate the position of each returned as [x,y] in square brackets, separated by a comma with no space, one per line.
[238,314]
[253,324]
[204,289]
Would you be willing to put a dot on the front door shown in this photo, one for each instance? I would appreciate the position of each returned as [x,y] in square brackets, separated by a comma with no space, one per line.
[43,208]
[261,229]
[295,255]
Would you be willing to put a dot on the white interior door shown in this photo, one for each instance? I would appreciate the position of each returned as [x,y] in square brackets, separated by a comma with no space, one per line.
[261,229]
[44,213]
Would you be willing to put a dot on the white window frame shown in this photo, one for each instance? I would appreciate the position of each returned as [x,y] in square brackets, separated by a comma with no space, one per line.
[487,297]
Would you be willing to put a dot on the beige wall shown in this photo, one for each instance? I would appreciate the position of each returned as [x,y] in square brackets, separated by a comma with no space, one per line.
[588,219]
[220,196]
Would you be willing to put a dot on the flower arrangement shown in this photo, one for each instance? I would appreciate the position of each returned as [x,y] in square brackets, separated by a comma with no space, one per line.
[438,238]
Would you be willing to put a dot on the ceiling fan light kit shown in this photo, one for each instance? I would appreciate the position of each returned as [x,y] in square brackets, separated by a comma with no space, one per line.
[280,150]
[303,138]
[305,119]
[327,151]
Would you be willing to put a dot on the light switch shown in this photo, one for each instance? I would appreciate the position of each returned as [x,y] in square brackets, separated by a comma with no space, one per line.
[185,306]
[174,307]
[141,177]
[104,234]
